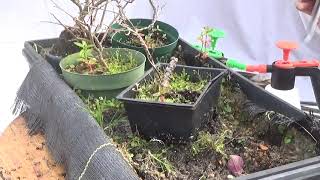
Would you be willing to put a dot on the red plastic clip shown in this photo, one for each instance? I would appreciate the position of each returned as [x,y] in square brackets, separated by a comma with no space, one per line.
[257,68]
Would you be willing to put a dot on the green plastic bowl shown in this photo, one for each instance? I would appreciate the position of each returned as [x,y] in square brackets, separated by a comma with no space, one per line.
[161,54]
[104,85]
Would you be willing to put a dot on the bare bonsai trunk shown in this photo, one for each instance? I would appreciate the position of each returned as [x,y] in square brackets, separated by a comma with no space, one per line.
[90,22]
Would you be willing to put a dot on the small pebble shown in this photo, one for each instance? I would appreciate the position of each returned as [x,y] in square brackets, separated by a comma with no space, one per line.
[230,176]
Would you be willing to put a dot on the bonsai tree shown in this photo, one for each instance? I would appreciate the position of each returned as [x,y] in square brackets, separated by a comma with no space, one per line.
[90,24]
[144,39]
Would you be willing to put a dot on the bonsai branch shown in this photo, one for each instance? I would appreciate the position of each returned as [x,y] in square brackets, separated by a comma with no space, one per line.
[90,22]
[168,72]
[130,28]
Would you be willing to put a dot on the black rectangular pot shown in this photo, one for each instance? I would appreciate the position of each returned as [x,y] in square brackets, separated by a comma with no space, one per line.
[33,48]
[169,120]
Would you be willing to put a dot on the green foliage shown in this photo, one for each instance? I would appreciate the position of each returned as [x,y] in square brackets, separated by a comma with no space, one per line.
[282,129]
[97,106]
[288,138]
[85,50]
[137,142]
[118,63]
[286,134]
[181,82]
[226,104]
[162,162]
[211,142]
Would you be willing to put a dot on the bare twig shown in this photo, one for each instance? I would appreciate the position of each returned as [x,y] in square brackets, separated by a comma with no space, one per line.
[86,24]
[65,27]
[102,18]
[130,28]
[77,3]
[87,27]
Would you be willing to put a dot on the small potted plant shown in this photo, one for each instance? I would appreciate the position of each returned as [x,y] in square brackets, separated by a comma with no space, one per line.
[95,69]
[104,77]
[169,102]
[208,39]
[161,38]
[91,14]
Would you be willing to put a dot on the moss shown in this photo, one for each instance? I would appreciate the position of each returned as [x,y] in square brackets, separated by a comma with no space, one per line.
[181,89]
[115,64]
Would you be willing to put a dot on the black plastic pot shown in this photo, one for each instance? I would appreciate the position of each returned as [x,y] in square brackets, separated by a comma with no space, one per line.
[169,120]
[54,61]
[191,60]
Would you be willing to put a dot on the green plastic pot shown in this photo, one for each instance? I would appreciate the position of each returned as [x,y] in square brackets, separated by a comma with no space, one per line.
[160,54]
[104,85]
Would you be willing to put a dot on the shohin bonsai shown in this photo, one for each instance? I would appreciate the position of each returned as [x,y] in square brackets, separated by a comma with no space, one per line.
[172,87]
[89,28]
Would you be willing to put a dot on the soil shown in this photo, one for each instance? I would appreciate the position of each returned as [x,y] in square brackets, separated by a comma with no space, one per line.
[230,129]
[154,38]
[26,157]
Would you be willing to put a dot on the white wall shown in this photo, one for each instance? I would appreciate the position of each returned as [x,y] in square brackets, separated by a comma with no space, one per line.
[20,21]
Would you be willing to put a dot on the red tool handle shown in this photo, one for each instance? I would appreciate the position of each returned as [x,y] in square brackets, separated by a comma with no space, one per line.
[257,68]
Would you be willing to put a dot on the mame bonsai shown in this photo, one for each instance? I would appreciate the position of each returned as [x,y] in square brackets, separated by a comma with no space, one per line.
[156,39]
[170,100]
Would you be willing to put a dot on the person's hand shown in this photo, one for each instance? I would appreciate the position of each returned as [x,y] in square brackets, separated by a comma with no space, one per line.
[305,6]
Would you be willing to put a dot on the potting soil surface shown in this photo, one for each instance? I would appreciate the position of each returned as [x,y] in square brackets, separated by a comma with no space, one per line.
[265,141]
[26,157]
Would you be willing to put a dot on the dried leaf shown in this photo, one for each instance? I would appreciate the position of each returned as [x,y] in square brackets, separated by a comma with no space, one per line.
[263,147]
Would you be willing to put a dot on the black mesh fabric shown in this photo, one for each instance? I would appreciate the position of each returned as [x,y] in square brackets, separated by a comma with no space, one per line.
[72,135]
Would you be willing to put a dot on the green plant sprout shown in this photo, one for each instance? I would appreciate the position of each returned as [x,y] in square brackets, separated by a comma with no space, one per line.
[97,107]
[207,141]
[85,50]
[208,39]
[161,161]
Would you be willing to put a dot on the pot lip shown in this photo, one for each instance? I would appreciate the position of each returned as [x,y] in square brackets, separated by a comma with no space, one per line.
[105,75]
[178,105]
[53,56]
[165,46]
